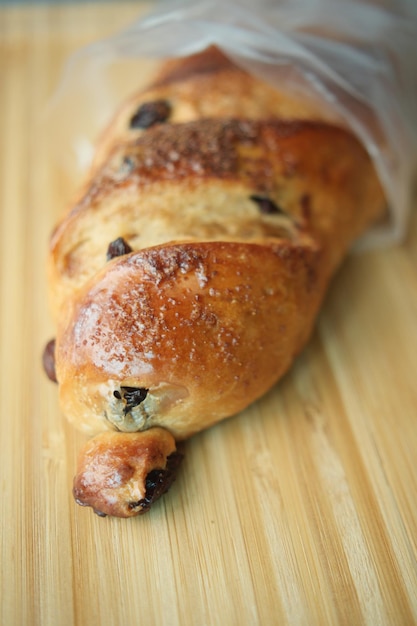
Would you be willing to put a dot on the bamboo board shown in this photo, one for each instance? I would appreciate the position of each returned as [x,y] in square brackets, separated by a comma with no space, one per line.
[300,511]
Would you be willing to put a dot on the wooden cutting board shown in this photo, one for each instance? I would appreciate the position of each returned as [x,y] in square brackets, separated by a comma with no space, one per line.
[300,511]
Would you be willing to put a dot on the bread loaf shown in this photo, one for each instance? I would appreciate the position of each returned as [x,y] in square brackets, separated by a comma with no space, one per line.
[190,272]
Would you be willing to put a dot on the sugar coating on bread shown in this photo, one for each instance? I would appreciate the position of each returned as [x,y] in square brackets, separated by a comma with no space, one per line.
[202,181]
[207,85]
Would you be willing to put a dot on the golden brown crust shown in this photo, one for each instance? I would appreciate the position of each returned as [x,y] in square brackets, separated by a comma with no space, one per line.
[195,181]
[210,61]
[208,85]
[121,475]
[190,273]
[204,328]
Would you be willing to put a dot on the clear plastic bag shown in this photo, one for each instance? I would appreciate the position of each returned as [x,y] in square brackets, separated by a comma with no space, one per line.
[358,57]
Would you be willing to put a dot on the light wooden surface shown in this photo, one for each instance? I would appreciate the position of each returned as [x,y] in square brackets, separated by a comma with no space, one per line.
[300,511]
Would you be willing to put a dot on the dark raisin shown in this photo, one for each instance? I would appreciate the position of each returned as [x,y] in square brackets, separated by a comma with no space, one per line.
[158,482]
[132,396]
[48,360]
[118,247]
[267,206]
[150,113]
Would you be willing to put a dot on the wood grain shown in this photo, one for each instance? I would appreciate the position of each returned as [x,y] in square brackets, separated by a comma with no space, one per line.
[300,511]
